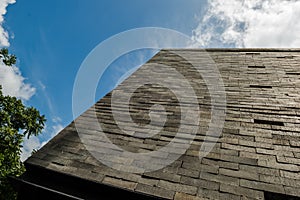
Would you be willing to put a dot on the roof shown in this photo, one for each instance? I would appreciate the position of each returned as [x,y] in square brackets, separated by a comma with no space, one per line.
[257,153]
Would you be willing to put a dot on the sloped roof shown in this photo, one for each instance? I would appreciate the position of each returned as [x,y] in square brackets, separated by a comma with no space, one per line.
[257,152]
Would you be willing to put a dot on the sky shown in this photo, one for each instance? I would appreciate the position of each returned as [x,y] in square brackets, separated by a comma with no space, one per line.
[52,38]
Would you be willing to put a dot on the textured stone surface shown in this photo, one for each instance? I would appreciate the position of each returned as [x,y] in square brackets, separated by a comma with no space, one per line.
[257,151]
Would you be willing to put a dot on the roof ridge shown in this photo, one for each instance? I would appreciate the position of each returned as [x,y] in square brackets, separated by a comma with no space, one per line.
[240,49]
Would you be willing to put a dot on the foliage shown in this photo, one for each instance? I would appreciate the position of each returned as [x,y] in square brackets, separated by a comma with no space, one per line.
[16,122]
[7,59]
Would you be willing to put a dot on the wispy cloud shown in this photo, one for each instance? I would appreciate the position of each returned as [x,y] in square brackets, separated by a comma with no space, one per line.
[250,23]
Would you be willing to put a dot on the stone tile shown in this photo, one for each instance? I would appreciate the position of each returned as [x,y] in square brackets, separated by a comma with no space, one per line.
[239,174]
[242,191]
[178,187]
[120,183]
[157,191]
[262,186]
[219,178]
[183,196]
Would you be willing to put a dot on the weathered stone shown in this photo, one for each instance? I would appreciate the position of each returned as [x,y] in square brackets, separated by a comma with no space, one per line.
[183,196]
[178,187]
[262,186]
[242,191]
[119,182]
[219,178]
[239,174]
[157,191]
[258,149]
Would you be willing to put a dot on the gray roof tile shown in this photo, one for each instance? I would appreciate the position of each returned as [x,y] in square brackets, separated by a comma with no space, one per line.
[257,151]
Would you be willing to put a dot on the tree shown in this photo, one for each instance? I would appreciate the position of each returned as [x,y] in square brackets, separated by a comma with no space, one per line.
[16,122]
[7,58]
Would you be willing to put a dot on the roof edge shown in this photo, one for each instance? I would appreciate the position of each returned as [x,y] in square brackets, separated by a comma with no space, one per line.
[239,49]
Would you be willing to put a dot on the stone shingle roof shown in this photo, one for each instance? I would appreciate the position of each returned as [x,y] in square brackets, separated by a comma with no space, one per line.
[257,152]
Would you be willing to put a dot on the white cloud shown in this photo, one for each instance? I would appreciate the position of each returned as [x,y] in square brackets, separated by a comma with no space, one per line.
[28,145]
[250,23]
[35,143]
[11,79]
[4,37]
[13,83]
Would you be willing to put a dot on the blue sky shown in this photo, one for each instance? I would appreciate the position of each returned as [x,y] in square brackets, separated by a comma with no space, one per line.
[52,38]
